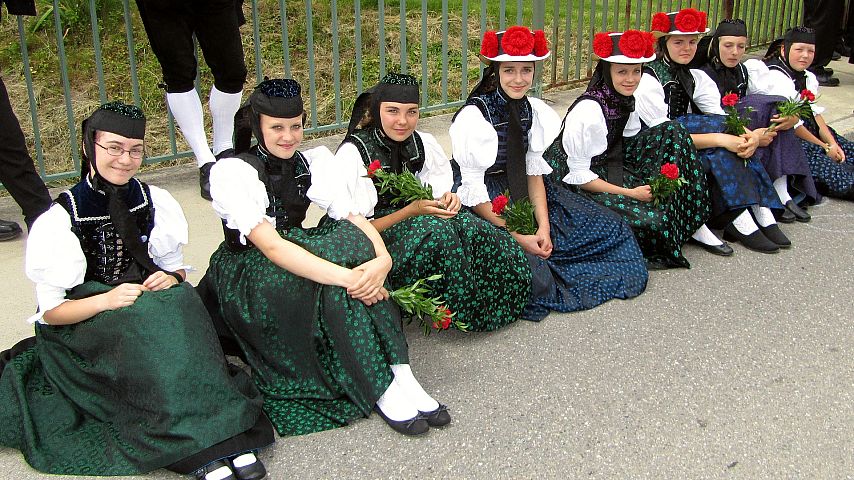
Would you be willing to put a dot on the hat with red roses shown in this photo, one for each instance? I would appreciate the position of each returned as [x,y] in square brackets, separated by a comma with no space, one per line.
[516,44]
[631,46]
[687,21]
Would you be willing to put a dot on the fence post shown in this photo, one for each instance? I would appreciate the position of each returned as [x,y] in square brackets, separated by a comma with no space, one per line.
[539,21]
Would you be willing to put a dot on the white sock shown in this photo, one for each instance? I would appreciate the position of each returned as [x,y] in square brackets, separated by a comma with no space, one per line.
[395,405]
[243,460]
[744,223]
[220,473]
[412,389]
[223,107]
[186,107]
[781,186]
[764,216]
[705,236]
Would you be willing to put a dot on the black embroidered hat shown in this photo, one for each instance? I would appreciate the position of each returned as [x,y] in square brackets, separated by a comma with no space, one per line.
[114,117]
[278,97]
[394,87]
[731,27]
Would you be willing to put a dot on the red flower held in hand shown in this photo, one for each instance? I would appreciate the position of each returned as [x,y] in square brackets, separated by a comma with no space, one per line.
[807,95]
[498,204]
[660,22]
[489,46]
[603,46]
[670,170]
[517,41]
[689,20]
[373,167]
[730,100]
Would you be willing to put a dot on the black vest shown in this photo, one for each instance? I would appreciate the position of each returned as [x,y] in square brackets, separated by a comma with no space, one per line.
[678,100]
[493,107]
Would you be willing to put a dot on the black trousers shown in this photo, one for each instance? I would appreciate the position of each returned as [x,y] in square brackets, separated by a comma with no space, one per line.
[825,16]
[17,171]
[170,25]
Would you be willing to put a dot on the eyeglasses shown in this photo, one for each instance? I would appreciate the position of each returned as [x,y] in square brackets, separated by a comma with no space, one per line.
[117,151]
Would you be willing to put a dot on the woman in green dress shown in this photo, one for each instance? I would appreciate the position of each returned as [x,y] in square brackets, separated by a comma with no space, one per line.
[485,276]
[308,307]
[125,374]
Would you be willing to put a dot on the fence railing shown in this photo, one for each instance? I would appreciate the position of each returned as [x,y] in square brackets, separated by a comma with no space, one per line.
[69,64]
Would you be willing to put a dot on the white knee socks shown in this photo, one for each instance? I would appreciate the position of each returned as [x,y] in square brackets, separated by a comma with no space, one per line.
[764,216]
[780,185]
[186,107]
[223,107]
[705,236]
[412,389]
[395,404]
[744,223]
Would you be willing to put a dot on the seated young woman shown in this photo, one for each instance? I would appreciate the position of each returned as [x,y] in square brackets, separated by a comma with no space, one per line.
[308,307]
[581,254]
[485,277]
[830,155]
[720,55]
[603,154]
[125,374]
[742,194]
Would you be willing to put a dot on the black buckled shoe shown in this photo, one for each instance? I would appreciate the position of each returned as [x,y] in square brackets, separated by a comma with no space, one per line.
[437,418]
[9,230]
[205,180]
[772,232]
[204,472]
[723,250]
[756,241]
[416,425]
[797,212]
[253,471]
[784,216]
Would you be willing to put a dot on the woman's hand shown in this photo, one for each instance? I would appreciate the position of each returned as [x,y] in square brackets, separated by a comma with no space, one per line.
[123,295]
[544,240]
[428,207]
[836,153]
[370,280]
[642,193]
[764,136]
[451,202]
[784,123]
[159,281]
[531,244]
[750,144]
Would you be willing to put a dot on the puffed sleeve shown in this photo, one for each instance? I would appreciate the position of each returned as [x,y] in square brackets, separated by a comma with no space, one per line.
[649,101]
[54,260]
[170,232]
[545,127]
[812,85]
[475,147]
[585,135]
[239,196]
[437,168]
[757,77]
[327,189]
[633,126]
[706,93]
[354,183]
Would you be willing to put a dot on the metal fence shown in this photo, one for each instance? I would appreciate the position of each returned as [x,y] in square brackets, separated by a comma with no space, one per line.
[334,48]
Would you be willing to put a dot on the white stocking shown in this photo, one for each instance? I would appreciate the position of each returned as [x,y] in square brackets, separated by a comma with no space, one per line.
[705,236]
[186,107]
[395,404]
[412,389]
[744,223]
[223,107]
[764,216]
[781,186]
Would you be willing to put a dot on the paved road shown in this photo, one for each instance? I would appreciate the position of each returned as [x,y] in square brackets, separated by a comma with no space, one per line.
[737,368]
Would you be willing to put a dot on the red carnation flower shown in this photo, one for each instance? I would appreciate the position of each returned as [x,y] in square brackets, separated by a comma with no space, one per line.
[688,20]
[517,41]
[730,100]
[806,94]
[660,22]
[633,44]
[489,46]
[373,167]
[498,204]
[650,44]
[603,46]
[704,23]
[445,322]
[541,45]
[670,170]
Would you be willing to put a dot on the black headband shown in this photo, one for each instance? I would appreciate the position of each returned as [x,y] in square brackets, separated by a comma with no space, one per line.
[731,28]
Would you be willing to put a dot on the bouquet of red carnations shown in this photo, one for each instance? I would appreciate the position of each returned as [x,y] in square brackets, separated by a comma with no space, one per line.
[665,183]
[735,122]
[518,216]
[798,107]
[404,187]
[416,302]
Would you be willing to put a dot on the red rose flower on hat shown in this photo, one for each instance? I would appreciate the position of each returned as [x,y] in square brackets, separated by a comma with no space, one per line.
[541,45]
[603,46]
[489,46]
[633,44]
[517,41]
[689,20]
[660,22]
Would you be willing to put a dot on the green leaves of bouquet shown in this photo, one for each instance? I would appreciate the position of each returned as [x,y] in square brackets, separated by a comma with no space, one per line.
[404,187]
[665,183]
[518,215]
[417,301]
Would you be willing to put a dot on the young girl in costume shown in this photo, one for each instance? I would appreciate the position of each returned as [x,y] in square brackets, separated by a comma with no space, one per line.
[604,155]
[485,277]
[307,306]
[125,374]
[828,153]
[780,152]
[581,254]
[742,194]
